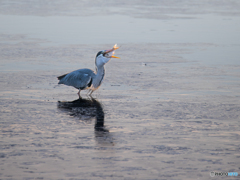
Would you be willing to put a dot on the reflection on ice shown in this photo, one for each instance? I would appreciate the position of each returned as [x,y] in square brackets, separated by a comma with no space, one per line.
[86,109]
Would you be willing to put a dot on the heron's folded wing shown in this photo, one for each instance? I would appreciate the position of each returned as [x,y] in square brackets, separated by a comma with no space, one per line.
[77,79]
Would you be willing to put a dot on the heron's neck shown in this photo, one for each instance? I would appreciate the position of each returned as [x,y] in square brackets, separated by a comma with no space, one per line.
[100,71]
[99,76]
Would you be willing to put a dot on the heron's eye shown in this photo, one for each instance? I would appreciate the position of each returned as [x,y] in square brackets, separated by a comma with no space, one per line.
[105,54]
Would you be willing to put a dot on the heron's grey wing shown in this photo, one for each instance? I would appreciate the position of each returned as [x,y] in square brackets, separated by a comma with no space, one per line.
[79,79]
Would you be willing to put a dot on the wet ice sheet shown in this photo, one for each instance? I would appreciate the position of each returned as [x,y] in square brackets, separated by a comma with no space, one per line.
[166,117]
[123,29]
[217,31]
[161,113]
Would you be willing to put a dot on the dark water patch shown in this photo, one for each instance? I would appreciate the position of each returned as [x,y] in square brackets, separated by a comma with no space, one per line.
[8,146]
[133,168]
[168,162]
[29,163]
[2,155]
[210,161]
[29,172]
[14,153]
[82,147]
[170,150]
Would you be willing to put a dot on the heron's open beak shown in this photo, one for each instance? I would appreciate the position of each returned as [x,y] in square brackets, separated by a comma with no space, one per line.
[113,49]
[115,57]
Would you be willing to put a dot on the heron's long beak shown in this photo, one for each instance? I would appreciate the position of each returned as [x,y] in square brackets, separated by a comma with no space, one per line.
[113,49]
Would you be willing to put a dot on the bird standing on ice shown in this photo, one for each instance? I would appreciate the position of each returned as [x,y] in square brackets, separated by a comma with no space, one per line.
[84,79]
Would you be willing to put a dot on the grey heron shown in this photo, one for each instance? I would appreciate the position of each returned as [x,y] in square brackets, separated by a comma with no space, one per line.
[83,79]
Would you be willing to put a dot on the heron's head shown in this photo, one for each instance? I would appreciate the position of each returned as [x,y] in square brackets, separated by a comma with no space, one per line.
[105,56]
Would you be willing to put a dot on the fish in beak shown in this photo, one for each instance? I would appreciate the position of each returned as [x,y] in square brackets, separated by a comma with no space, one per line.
[110,53]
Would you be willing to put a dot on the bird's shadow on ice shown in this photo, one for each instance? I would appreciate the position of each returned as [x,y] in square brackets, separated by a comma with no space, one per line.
[85,110]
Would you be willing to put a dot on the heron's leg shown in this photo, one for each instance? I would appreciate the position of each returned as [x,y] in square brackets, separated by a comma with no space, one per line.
[91,93]
[79,93]
[88,91]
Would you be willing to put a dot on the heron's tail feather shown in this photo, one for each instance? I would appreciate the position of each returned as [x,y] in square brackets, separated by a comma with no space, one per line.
[61,77]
